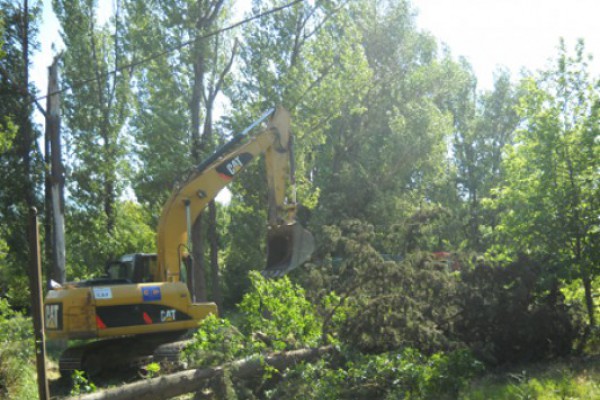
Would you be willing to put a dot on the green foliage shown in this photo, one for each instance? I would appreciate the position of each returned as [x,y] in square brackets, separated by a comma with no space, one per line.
[95,113]
[17,362]
[396,375]
[216,342]
[397,157]
[151,370]
[81,384]
[8,131]
[577,380]
[411,309]
[446,375]
[160,121]
[548,201]
[512,313]
[274,315]
[279,309]
[383,305]
[243,253]
[89,247]
[20,167]
[3,265]
[482,133]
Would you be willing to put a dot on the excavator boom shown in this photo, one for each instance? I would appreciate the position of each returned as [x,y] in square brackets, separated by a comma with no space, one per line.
[289,245]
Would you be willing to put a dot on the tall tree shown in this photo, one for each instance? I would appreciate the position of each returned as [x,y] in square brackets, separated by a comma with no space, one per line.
[210,81]
[193,77]
[96,107]
[386,159]
[550,196]
[480,134]
[19,158]
[308,58]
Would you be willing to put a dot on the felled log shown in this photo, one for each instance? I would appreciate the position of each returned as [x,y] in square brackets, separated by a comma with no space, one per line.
[167,386]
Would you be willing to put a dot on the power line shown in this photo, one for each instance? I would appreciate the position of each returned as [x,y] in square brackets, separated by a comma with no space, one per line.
[178,47]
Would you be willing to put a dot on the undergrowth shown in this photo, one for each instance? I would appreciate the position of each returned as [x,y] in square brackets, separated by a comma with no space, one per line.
[559,380]
[17,361]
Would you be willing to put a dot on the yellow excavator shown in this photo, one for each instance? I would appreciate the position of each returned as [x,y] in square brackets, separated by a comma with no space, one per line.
[143,300]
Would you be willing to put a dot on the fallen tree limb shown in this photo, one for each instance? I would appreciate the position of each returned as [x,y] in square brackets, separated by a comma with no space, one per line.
[179,383]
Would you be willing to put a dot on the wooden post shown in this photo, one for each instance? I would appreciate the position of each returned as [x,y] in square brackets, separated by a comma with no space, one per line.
[48,224]
[35,286]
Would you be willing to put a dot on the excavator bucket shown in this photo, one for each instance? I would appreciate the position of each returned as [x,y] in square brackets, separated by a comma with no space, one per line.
[288,246]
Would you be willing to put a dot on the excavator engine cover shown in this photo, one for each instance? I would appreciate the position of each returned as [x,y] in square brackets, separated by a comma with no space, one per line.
[288,246]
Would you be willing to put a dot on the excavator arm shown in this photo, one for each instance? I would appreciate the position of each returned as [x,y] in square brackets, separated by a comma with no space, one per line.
[288,243]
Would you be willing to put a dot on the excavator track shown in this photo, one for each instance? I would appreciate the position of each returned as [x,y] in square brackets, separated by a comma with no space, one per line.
[107,355]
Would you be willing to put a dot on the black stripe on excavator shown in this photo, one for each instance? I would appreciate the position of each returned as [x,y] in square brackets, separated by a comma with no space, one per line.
[137,314]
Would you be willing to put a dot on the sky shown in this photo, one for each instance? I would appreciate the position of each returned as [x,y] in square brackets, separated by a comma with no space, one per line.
[513,34]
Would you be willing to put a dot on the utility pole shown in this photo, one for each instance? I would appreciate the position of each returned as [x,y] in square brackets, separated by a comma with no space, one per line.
[56,176]
[35,286]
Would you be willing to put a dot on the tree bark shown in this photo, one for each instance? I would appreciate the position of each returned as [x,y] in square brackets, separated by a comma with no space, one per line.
[179,383]
[214,254]
[589,299]
[198,273]
[196,154]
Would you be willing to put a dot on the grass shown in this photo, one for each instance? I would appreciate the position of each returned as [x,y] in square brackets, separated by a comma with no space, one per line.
[17,375]
[556,380]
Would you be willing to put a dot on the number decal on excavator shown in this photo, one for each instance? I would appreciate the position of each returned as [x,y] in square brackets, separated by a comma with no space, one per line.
[101,293]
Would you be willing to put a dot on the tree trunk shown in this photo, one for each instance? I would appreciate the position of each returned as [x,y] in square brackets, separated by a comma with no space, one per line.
[209,12]
[214,253]
[172,385]
[199,279]
[196,154]
[589,299]
[109,176]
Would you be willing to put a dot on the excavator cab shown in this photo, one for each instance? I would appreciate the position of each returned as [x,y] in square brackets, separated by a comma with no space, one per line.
[133,268]
[288,247]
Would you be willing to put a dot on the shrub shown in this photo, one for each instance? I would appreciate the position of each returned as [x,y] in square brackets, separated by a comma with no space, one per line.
[396,375]
[510,314]
[274,315]
[216,341]
[410,304]
[279,311]
[17,364]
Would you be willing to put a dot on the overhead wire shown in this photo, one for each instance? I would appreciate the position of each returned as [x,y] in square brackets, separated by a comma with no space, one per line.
[168,51]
